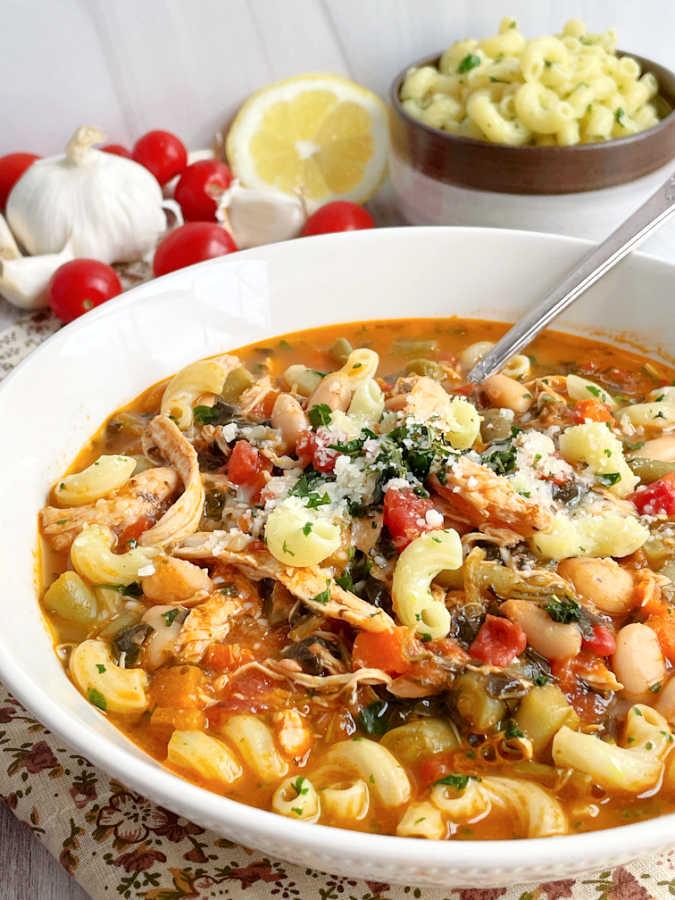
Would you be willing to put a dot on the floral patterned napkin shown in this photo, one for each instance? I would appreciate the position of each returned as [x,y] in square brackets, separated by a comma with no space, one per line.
[109,837]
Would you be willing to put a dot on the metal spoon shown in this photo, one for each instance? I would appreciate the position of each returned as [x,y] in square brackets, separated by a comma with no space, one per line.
[596,263]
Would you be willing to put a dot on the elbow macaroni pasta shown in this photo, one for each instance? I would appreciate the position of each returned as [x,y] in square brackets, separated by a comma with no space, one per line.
[375,765]
[603,534]
[553,90]
[253,739]
[297,536]
[595,445]
[207,376]
[94,560]
[417,566]
[107,474]
[297,798]
[105,684]
[205,755]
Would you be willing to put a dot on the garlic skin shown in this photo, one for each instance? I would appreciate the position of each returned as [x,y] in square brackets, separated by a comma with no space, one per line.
[24,279]
[256,217]
[8,248]
[108,206]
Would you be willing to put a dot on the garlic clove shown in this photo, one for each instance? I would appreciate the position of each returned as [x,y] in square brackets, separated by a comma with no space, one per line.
[255,217]
[24,279]
[8,248]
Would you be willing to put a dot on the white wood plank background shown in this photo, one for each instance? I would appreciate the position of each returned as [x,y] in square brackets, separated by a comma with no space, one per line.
[132,65]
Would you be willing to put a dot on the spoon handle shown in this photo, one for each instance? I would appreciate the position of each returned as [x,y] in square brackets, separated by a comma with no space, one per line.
[596,263]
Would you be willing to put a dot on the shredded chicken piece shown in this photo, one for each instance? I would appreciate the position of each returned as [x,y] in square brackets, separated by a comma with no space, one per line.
[308,584]
[143,495]
[253,398]
[598,677]
[177,581]
[184,516]
[293,734]
[419,396]
[487,499]
[207,623]
[324,683]
[211,544]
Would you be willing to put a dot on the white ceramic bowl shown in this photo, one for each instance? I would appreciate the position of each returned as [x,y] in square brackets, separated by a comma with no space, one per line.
[54,400]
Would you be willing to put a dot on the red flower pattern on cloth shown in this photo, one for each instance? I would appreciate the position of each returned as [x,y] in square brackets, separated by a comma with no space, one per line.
[131,817]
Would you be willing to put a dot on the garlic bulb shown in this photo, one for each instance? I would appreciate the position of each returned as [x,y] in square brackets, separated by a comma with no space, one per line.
[8,248]
[24,279]
[110,207]
[256,217]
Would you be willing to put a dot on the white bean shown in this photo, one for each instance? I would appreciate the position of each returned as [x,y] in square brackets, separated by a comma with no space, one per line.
[507,393]
[665,703]
[289,417]
[662,448]
[599,582]
[334,390]
[552,639]
[638,661]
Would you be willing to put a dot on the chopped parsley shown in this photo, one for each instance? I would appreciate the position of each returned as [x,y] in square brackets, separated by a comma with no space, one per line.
[129,590]
[297,786]
[324,596]
[319,415]
[100,667]
[470,61]
[297,810]
[500,457]
[305,488]
[618,116]
[566,610]
[218,414]
[286,549]
[169,616]
[345,581]
[592,389]
[307,528]
[457,782]
[609,478]
[511,730]
[230,589]
[655,688]
[97,699]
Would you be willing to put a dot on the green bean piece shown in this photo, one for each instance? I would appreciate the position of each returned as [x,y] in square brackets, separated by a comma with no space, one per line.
[424,737]
[236,383]
[415,349]
[474,704]
[650,469]
[427,367]
[542,712]
[70,598]
[340,350]
[495,425]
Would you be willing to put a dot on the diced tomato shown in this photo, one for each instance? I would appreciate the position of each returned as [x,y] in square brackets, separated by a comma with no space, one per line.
[466,390]
[251,691]
[433,768]
[595,410]
[386,650]
[602,643]
[657,497]
[247,467]
[134,531]
[663,623]
[312,448]
[405,515]
[226,657]
[498,642]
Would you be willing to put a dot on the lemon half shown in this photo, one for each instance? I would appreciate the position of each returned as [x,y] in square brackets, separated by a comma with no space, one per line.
[320,135]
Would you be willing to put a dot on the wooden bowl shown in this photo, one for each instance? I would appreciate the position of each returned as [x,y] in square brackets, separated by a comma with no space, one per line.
[485,166]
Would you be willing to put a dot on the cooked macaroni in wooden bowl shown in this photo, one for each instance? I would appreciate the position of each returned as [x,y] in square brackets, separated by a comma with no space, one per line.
[552,115]
[327,577]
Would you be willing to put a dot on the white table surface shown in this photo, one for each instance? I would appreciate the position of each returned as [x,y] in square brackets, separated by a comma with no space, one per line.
[186,67]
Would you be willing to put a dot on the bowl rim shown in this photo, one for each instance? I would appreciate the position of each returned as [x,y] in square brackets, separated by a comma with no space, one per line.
[544,152]
[150,778]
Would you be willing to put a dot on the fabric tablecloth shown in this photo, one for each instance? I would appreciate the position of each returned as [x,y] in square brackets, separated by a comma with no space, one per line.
[116,843]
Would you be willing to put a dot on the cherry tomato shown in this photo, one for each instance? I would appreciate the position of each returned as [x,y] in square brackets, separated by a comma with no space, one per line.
[199,188]
[162,153]
[117,150]
[657,497]
[12,168]
[602,643]
[312,448]
[340,215]
[405,516]
[498,642]
[79,285]
[191,243]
